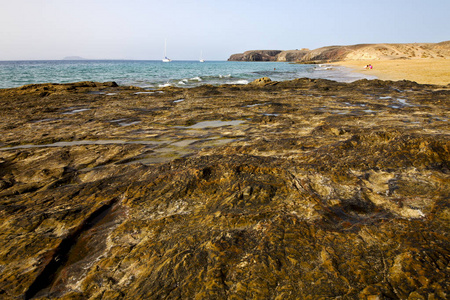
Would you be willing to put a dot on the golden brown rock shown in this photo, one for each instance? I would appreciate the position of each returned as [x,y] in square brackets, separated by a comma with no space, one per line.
[307,189]
[261,81]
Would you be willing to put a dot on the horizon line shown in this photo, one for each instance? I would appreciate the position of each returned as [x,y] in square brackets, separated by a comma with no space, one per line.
[106,59]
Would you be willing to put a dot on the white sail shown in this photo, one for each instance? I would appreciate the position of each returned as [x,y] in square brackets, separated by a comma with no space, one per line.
[165,59]
[201,57]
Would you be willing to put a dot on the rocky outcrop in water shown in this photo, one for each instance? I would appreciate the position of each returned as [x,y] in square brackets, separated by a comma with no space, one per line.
[306,189]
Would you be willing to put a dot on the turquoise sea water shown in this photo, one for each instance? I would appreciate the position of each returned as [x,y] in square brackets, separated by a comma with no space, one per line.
[155,74]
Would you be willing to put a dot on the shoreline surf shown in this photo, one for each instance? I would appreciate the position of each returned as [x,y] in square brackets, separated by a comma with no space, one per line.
[155,74]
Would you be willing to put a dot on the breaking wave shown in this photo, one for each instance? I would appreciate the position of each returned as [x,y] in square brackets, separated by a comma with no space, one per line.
[199,80]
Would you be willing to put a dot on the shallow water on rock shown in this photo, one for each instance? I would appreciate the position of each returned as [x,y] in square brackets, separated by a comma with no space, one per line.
[184,143]
[75,111]
[124,124]
[140,93]
[84,142]
[45,120]
[177,149]
[215,123]
[404,103]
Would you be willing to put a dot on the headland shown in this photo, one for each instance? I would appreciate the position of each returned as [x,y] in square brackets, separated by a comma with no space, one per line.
[427,63]
[302,189]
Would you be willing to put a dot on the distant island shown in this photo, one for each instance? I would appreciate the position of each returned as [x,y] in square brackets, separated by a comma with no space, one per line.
[74,58]
[353,52]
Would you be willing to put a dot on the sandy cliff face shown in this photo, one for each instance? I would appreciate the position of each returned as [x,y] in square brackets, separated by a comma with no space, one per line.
[353,52]
[328,53]
[395,51]
[292,55]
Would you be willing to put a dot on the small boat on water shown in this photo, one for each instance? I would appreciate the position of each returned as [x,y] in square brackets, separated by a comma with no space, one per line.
[201,57]
[166,59]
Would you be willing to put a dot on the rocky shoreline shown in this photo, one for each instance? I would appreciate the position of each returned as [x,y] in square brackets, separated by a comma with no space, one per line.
[308,189]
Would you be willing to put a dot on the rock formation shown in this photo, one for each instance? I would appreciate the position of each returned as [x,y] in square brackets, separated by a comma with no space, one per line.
[255,55]
[292,55]
[357,52]
[381,51]
[306,189]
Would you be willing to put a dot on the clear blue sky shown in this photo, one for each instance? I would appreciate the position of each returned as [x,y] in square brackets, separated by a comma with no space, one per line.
[136,29]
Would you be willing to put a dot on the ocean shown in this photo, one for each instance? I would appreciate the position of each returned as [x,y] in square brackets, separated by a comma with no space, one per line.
[156,74]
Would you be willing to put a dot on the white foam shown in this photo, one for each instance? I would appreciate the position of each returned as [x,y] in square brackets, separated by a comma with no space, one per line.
[323,67]
[197,78]
[165,85]
[241,81]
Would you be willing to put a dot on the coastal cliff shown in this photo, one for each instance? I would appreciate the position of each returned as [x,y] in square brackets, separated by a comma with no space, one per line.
[352,52]
[269,55]
[256,55]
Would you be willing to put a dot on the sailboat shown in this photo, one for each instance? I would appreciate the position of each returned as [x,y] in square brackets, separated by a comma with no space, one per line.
[201,57]
[166,59]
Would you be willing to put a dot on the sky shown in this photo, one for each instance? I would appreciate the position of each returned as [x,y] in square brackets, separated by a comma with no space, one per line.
[137,29]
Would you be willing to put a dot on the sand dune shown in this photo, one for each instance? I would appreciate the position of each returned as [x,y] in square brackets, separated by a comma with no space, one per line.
[351,52]
[380,52]
[400,51]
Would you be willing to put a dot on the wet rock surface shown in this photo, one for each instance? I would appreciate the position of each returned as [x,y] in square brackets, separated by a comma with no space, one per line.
[307,189]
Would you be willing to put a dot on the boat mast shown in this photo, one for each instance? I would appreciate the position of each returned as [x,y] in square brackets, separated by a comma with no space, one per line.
[165,59]
[165,48]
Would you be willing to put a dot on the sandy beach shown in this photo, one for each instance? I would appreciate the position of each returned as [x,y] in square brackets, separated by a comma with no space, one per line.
[425,71]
